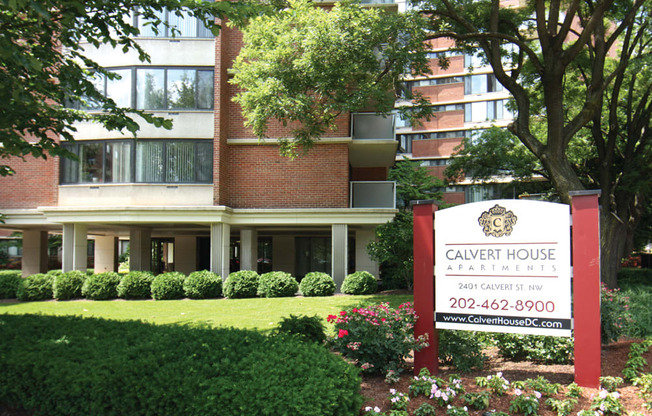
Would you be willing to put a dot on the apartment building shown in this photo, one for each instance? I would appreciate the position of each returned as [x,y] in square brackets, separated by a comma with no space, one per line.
[466,99]
[205,194]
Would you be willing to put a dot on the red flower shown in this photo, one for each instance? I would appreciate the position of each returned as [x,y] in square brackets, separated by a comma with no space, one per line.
[342,313]
[331,318]
[342,333]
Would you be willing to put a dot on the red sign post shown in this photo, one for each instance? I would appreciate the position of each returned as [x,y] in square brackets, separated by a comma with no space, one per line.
[586,286]
[424,284]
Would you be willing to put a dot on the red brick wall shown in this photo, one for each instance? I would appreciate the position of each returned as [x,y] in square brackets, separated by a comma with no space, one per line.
[454,198]
[443,93]
[449,120]
[34,184]
[455,66]
[369,174]
[260,178]
[434,147]
[436,171]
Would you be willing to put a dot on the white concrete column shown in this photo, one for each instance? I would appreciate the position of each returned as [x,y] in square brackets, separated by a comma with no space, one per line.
[75,248]
[248,250]
[283,253]
[106,254]
[35,252]
[67,244]
[140,249]
[362,260]
[185,254]
[339,253]
[220,242]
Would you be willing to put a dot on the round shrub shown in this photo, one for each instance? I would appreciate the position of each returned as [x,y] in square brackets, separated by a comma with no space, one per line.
[136,285]
[277,285]
[35,287]
[101,286]
[360,283]
[305,328]
[68,285]
[203,285]
[168,285]
[317,284]
[242,284]
[55,272]
[9,281]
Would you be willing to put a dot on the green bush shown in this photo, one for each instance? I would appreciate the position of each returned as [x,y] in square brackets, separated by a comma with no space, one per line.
[136,285]
[317,284]
[203,285]
[614,314]
[640,299]
[360,283]
[101,286]
[306,328]
[55,272]
[633,278]
[168,286]
[74,366]
[9,281]
[544,349]
[68,285]
[461,349]
[277,285]
[242,284]
[35,287]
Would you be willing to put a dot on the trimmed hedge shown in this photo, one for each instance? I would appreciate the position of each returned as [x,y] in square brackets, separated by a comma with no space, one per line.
[277,285]
[101,286]
[168,286]
[242,284]
[317,284]
[68,285]
[35,287]
[136,285]
[360,283]
[84,366]
[9,281]
[203,285]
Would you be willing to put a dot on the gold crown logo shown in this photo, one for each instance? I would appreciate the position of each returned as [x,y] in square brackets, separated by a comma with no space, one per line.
[497,221]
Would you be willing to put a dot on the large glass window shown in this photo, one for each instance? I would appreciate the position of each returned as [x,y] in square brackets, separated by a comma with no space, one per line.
[180,24]
[313,254]
[155,89]
[481,84]
[487,110]
[142,161]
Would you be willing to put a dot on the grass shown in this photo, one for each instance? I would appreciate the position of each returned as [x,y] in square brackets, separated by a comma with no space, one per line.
[258,313]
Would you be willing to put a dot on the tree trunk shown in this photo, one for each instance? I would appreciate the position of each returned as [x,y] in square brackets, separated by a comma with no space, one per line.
[614,235]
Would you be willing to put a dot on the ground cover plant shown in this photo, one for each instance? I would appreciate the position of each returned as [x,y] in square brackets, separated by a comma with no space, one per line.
[132,368]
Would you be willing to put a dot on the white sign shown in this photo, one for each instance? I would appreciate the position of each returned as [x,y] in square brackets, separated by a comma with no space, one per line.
[504,266]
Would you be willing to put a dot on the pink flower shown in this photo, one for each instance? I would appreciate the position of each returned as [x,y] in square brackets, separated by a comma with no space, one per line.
[342,333]
[331,318]
[342,313]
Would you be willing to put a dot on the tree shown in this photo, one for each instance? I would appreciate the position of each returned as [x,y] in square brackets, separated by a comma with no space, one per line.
[393,244]
[535,51]
[43,66]
[306,65]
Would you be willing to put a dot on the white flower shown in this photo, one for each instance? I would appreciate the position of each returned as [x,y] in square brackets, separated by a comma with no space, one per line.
[603,394]
[616,395]
[518,392]
[499,374]
[368,409]
[377,409]
[392,391]
[536,393]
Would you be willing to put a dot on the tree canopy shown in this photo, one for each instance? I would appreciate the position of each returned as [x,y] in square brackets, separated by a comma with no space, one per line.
[43,65]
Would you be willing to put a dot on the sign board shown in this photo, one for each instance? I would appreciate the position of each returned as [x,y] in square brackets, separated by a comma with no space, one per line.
[504,266]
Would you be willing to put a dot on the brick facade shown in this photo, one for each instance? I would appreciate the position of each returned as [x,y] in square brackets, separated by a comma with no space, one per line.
[34,184]
[260,178]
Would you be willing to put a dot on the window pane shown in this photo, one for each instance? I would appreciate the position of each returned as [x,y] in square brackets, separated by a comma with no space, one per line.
[97,80]
[118,162]
[150,89]
[180,157]
[120,89]
[149,29]
[90,157]
[479,111]
[69,167]
[181,88]
[205,89]
[185,25]
[149,162]
[204,162]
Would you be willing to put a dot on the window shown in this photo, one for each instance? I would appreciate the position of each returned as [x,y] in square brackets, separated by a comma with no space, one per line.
[142,161]
[481,84]
[176,89]
[436,162]
[156,88]
[313,254]
[473,60]
[486,110]
[181,25]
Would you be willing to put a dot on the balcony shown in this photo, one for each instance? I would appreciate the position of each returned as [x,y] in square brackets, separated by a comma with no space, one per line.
[373,143]
[373,194]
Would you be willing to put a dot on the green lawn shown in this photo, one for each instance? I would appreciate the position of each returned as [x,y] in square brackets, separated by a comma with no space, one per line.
[261,314]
